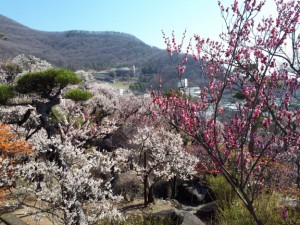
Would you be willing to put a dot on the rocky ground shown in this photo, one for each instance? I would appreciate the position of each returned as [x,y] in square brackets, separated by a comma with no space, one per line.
[161,208]
[194,205]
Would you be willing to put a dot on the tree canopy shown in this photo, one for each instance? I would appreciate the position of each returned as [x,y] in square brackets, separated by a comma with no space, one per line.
[77,94]
[46,82]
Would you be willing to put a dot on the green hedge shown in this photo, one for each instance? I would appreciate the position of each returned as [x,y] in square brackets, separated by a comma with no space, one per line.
[78,95]
[46,81]
[6,92]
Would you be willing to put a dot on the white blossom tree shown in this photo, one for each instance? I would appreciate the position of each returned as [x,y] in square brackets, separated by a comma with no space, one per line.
[11,69]
[158,154]
[66,173]
[30,63]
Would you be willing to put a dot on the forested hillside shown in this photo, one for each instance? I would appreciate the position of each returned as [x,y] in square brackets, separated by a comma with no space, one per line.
[86,50]
[75,49]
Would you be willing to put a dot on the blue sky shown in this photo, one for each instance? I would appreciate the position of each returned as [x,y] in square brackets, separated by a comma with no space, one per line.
[142,18]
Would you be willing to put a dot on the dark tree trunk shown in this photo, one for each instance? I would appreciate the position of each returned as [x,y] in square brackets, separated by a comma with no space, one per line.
[145,191]
[44,109]
[298,173]
[253,214]
[150,195]
[145,181]
[173,183]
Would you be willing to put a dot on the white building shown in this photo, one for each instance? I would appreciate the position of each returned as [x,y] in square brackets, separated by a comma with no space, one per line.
[192,91]
[183,83]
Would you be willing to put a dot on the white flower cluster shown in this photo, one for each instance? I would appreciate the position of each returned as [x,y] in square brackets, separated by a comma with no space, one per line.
[166,157]
[71,185]
[72,180]
[105,98]
[4,168]
[21,64]
[86,77]
[31,63]
[76,123]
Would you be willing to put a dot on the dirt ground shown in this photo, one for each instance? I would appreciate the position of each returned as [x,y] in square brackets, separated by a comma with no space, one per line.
[133,208]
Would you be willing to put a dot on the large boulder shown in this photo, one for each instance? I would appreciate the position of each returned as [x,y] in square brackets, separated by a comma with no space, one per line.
[112,141]
[193,193]
[162,190]
[207,212]
[127,184]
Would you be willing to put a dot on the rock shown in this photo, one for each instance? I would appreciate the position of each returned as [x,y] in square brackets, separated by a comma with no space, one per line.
[162,189]
[290,202]
[11,219]
[179,217]
[207,212]
[106,144]
[175,204]
[294,203]
[127,184]
[193,193]
[117,139]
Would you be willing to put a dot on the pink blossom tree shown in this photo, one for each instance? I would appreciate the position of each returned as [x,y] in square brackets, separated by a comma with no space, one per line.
[255,64]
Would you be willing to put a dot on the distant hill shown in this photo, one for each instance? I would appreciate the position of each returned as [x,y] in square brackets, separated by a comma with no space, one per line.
[85,49]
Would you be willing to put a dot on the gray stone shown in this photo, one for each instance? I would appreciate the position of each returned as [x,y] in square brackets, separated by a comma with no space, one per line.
[294,203]
[179,217]
[193,193]
[128,184]
[207,212]
[11,219]
[175,204]
[162,189]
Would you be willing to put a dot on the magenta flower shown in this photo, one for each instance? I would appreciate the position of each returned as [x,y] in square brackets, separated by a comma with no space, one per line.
[181,69]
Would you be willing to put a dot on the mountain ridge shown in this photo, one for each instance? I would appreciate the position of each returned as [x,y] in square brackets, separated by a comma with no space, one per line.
[95,50]
[59,48]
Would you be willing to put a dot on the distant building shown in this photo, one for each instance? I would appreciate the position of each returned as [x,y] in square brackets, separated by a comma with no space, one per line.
[103,72]
[121,71]
[133,70]
[183,83]
[102,75]
[192,91]
[113,70]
